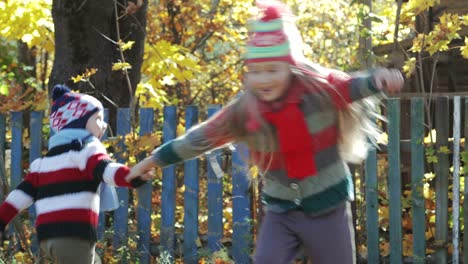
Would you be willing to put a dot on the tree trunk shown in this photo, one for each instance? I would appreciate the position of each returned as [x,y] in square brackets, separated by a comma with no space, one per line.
[82,32]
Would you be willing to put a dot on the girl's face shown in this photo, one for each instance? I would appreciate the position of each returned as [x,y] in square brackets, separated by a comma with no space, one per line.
[96,124]
[268,80]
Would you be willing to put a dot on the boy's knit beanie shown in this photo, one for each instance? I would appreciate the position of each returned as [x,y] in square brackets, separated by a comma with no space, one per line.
[71,110]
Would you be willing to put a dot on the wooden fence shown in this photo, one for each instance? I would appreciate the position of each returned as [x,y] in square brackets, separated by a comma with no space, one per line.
[242,244]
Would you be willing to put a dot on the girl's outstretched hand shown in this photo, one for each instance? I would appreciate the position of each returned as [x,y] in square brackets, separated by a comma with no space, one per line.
[388,80]
[143,169]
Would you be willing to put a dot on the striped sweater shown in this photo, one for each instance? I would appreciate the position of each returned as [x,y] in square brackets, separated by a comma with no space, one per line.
[63,185]
[328,187]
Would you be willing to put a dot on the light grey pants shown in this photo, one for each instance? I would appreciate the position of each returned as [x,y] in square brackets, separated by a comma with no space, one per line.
[69,251]
[326,239]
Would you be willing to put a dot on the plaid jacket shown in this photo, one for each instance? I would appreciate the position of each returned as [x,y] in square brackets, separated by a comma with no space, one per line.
[328,188]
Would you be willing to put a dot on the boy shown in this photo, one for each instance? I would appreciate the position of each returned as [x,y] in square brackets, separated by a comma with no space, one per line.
[64,184]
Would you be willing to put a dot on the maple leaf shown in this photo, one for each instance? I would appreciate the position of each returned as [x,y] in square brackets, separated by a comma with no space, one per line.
[4,89]
[126,45]
[409,67]
[464,49]
[77,78]
[121,66]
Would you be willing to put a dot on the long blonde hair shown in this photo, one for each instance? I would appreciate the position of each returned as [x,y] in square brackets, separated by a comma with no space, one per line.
[356,121]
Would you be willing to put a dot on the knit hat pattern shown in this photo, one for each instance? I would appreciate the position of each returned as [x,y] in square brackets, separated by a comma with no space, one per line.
[70,109]
[268,40]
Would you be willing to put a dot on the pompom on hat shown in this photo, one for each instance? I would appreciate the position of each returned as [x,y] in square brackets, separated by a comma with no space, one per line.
[273,36]
[71,110]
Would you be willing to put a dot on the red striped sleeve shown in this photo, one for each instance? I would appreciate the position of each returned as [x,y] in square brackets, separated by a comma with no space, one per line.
[7,212]
[93,161]
[33,178]
[70,215]
[341,95]
[119,177]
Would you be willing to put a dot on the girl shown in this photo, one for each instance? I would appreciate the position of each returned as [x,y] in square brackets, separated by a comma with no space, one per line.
[302,123]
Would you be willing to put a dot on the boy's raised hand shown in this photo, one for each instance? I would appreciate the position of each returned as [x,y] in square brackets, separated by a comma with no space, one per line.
[389,80]
[143,169]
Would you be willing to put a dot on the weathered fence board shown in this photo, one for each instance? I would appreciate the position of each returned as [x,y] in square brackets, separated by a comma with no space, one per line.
[417,177]
[456,180]
[215,198]
[191,207]
[168,194]
[35,134]
[394,180]
[144,194]
[465,191]
[372,207]
[121,213]
[442,176]
[102,215]
[241,215]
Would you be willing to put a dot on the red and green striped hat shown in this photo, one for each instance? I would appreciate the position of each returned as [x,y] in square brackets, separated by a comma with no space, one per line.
[268,40]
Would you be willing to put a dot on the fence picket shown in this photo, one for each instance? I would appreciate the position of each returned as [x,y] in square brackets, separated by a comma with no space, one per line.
[16,170]
[241,215]
[16,148]
[102,215]
[372,207]
[441,179]
[168,195]
[121,213]
[144,194]
[191,206]
[417,177]
[35,127]
[215,199]
[465,192]
[456,180]
[394,180]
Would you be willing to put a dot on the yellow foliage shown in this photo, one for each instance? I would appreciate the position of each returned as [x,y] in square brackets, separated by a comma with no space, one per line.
[85,76]
[29,21]
[431,138]
[148,97]
[117,66]
[415,7]
[464,49]
[125,45]
[409,67]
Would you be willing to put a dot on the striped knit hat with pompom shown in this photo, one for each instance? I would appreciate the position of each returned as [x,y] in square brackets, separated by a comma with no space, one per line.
[268,40]
[71,110]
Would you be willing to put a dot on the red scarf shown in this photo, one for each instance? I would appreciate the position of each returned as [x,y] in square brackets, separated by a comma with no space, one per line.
[295,141]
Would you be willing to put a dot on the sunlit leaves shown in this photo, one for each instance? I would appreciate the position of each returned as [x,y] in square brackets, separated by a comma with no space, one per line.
[117,66]
[29,21]
[125,45]
[3,89]
[148,97]
[416,7]
[85,76]
[464,49]
[409,67]
[437,40]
